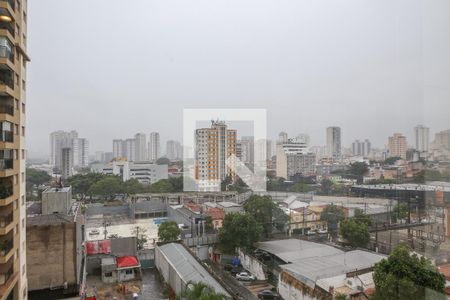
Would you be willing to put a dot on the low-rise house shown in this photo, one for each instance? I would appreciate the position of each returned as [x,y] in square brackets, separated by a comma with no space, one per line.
[217,215]
[230,207]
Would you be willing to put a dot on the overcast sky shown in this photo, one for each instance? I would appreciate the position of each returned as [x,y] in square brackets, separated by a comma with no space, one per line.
[111,68]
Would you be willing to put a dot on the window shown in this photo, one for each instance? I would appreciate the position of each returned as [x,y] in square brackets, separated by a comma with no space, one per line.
[23,107]
[17,101]
[23,130]
[128,272]
[24,85]
[6,48]
[22,176]
[22,200]
[23,153]
[108,274]
[24,17]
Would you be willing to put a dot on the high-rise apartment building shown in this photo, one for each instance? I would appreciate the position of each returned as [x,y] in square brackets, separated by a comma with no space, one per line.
[129,149]
[397,145]
[174,150]
[118,148]
[62,139]
[247,147]
[294,157]
[334,149]
[361,148]
[282,137]
[13,81]
[422,138]
[140,147]
[213,148]
[66,162]
[154,148]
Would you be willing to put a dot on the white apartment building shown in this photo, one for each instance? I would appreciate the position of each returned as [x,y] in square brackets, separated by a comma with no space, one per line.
[62,139]
[154,148]
[294,157]
[144,172]
[361,148]
[140,147]
[174,150]
[422,138]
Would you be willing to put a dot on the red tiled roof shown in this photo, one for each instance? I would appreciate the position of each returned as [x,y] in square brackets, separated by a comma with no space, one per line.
[215,213]
[127,262]
[445,270]
[192,207]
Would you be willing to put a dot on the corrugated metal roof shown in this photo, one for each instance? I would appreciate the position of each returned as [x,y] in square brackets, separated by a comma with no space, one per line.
[292,250]
[188,268]
[310,270]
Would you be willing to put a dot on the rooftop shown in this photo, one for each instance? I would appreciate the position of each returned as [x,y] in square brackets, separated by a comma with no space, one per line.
[292,250]
[187,267]
[215,213]
[313,270]
[57,190]
[228,204]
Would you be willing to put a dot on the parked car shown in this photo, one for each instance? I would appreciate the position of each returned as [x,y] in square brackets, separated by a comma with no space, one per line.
[322,231]
[267,294]
[94,232]
[245,276]
[236,270]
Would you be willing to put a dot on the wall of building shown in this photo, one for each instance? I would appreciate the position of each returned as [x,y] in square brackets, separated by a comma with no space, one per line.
[51,256]
[253,265]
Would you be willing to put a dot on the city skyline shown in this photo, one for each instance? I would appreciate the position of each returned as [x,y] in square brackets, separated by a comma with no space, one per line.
[388,70]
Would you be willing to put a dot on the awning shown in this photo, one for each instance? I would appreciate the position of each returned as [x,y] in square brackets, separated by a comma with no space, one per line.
[124,262]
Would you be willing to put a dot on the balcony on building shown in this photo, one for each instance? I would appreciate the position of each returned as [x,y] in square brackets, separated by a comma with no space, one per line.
[7,277]
[6,20]
[11,3]
[6,49]
[6,105]
[6,187]
[6,159]
[6,132]
[6,76]
[6,246]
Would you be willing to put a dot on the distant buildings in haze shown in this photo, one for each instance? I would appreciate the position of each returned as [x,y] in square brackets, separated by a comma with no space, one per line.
[334,145]
[76,153]
[361,148]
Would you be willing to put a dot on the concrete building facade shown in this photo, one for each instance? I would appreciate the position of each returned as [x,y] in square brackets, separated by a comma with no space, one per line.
[213,147]
[334,146]
[397,145]
[154,147]
[422,138]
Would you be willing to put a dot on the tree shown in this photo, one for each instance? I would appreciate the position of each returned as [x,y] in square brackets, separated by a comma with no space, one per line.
[404,275]
[238,230]
[168,231]
[326,185]
[358,168]
[301,187]
[266,213]
[81,183]
[361,217]
[163,161]
[141,237]
[400,211]
[133,186]
[200,291]
[391,160]
[162,186]
[35,178]
[332,214]
[356,233]
[107,187]
[340,296]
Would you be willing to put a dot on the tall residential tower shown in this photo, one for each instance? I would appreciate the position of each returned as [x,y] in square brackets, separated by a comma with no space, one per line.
[13,81]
